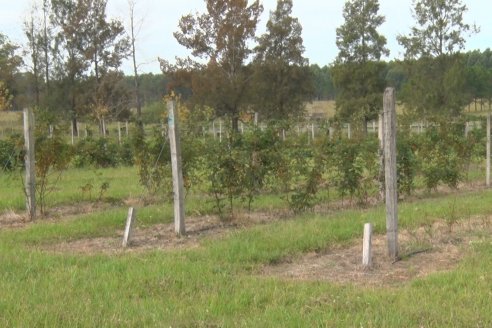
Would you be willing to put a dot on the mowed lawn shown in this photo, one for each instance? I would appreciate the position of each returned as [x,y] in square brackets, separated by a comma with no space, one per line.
[220,282]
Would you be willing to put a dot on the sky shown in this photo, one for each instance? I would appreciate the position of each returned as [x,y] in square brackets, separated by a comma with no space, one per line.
[319,19]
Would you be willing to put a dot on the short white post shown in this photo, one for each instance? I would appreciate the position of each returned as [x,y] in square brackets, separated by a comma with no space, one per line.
[283,134]
[126,128]
[488,151]
[129,227]
[349,131]
[367,246]
[213,130]
[312,131]
[30,183]
[256,118]
[179,212]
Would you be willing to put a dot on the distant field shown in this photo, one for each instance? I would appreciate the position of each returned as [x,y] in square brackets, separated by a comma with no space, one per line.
[321,107]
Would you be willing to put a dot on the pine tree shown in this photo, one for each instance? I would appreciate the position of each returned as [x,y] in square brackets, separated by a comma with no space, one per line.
[358,72]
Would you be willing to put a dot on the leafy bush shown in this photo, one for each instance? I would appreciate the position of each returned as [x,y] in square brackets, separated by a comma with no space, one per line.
[407,164]
[98,152]
[442,153]
[11,153]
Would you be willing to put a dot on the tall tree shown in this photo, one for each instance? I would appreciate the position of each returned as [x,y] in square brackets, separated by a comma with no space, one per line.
[134,28]
[91,46]
[222,36]
[70,17]
[283,81]
[323,82]
[358,72]
[436,69]
[31,30]
[107,46]
[10,62]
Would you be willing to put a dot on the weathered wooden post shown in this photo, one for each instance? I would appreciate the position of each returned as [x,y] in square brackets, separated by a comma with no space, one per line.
[119,133]
[220,131]
[488,151]
[129,227]
[367,246]
[30,183]
[72,133]
[104,128]
[179,213]
[390,172]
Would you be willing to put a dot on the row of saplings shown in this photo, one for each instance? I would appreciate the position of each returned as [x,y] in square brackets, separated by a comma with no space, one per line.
[240,167]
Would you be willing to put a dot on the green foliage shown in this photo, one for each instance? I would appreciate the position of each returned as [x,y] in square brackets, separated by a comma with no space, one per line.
[52,155]
[356,165]
[407,164]
[442,153]
[101,152]
[11,153]
[153,159]
[242,166]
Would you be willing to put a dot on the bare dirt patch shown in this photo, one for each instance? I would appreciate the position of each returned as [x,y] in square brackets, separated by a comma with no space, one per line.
[163,237]
[12,220]
[430,249]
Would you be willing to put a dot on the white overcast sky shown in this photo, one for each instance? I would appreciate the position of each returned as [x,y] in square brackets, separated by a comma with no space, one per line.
[319,19]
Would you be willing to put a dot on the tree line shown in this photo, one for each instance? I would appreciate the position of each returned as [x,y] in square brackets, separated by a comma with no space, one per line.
[71,63]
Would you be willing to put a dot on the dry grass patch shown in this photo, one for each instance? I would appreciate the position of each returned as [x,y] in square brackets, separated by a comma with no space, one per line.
[434,248]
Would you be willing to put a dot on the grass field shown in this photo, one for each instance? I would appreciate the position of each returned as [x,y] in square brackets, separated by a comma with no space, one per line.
[219,281]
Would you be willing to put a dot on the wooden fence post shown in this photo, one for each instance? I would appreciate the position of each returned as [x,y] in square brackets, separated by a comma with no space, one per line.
[367,246]
[390,172]
[179,213]
[119,133]
[104,128]
[72,133]
[30,183]
[128,227]
[488,151]
[220,131]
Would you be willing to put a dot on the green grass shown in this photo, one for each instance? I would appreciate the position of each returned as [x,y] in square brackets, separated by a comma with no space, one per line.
[219,285]
[123,183]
